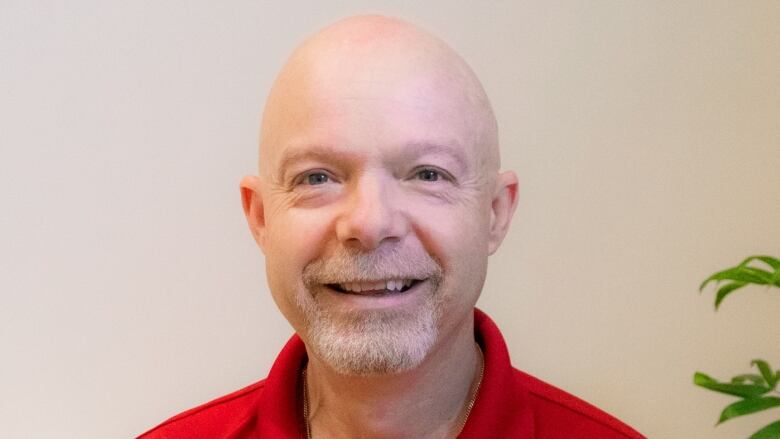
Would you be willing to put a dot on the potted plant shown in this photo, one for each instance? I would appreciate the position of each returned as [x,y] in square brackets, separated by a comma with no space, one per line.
[757,391]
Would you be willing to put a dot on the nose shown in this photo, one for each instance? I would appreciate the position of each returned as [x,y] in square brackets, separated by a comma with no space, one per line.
[371,215]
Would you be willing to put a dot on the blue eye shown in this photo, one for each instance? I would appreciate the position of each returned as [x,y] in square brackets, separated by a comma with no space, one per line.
[316,178]
[428,175]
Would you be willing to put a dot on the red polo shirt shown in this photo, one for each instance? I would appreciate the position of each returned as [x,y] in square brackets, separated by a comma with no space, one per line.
[510,404]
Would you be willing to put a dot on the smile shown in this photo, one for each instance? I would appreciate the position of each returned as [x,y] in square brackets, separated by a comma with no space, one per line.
[379,287]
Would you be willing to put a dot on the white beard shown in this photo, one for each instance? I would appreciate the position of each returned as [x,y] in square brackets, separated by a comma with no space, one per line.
[377,341]
[372,342]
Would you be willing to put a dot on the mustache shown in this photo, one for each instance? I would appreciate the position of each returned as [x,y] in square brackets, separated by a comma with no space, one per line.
[349,265]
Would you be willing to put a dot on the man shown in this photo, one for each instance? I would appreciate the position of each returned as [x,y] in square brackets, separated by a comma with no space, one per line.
[378,202]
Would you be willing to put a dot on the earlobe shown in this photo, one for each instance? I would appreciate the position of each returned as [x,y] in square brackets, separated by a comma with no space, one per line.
[502,208]
[252,201]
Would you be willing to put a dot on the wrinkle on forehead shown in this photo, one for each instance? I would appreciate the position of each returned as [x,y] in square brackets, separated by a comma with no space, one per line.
[368,53]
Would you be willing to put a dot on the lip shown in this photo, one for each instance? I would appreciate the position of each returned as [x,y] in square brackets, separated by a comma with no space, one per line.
[376,299]
[337,287]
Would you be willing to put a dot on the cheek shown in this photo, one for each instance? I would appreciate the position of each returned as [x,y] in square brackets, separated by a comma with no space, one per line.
[293,239]
[453,228]
[458,236]
[459,244]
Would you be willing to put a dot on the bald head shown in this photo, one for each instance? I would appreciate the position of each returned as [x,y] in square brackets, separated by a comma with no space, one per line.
[379,168]
[335,75]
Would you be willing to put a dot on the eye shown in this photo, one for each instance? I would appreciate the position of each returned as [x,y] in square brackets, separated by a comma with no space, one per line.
[312,177]
[428,175]
[316,178]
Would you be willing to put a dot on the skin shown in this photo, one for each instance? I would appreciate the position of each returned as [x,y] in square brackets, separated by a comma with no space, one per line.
[377,136]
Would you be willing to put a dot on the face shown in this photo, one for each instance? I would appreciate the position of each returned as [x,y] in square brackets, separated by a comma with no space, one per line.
[375,211]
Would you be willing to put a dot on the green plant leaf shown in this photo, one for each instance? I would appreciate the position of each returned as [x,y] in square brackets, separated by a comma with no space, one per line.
[771,431]
[763,276]
[726,290]
[766,372]
[769,260]
[748,406]
[743,390]
[740,274]
[751,377]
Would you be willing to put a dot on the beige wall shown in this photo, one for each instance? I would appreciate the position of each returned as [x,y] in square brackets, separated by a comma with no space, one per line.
[646,136]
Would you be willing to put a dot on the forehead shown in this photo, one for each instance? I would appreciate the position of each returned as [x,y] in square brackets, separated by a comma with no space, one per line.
[376,97]
[371,117]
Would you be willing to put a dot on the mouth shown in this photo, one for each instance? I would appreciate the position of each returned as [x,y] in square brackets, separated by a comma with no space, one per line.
[375,288]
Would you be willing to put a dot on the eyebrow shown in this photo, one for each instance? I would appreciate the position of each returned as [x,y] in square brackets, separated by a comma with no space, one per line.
[325,152]
[314,151]
[452,151]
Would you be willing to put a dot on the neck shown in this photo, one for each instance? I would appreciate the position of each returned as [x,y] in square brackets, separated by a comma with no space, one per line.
[430,401]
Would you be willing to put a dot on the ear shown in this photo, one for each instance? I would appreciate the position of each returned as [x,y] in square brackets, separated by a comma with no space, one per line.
[502,208]
[252,200]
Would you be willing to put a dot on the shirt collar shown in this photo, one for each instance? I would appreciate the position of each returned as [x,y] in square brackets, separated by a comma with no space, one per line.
[498,409]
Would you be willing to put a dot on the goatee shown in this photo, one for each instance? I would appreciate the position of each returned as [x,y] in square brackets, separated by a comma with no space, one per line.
[372,342]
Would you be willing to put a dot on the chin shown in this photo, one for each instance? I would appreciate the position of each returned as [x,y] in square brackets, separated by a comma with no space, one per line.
[371,342]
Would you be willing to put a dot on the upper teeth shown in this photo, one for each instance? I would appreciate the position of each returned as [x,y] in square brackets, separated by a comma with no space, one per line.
[392,285]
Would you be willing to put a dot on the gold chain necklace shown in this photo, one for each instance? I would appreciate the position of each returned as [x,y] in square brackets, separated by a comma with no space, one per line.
[460,427]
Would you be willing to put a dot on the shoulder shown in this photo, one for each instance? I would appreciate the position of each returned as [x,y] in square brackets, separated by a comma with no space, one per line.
[221,417]
[560,414]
